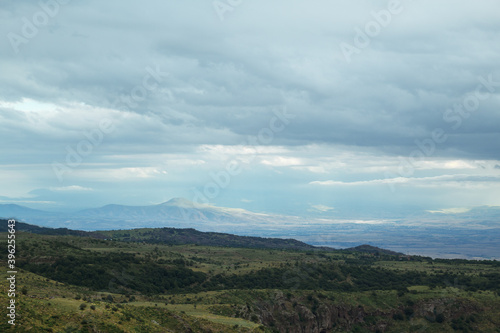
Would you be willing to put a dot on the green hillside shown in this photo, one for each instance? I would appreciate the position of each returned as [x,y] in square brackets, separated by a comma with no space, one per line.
[191,236]
[77,283]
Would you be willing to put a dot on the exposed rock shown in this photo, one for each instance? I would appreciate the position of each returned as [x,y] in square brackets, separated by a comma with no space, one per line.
[298,315]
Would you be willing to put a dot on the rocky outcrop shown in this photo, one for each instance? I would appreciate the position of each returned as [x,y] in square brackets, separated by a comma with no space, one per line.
[313,315]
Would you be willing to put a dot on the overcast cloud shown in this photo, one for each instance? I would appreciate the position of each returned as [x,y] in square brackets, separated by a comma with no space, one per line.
[157,98]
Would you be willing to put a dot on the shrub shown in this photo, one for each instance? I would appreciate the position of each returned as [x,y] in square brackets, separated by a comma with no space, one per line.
[398,316]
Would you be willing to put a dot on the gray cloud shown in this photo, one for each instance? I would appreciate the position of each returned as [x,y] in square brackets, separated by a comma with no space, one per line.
[222,80]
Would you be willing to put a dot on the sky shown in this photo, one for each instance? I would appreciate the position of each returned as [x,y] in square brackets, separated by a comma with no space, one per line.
[324,108]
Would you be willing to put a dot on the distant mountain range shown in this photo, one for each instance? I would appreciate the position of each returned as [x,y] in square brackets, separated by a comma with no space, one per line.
[177,212]
[21,212]
[177,209]
[471,234]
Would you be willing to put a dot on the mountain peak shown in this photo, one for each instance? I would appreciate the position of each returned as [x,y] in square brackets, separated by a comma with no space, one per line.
[181,202]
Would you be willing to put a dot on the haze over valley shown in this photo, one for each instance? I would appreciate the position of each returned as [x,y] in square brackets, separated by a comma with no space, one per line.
[474,234]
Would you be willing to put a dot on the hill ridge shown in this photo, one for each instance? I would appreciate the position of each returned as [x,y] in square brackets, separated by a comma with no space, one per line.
[184,236]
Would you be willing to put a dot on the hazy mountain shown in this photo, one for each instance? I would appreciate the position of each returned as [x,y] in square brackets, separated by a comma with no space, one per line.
[184,213]
[175,209]
[448,233]
[14,211]
[177,212]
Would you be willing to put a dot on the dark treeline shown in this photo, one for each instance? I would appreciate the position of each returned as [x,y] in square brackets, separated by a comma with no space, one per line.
[125,272]
[115,272]
[343,277]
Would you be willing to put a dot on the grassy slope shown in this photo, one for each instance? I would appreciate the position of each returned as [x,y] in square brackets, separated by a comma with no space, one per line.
[52,306]
[216,310]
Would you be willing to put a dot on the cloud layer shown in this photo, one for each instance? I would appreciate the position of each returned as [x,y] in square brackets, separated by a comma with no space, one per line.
[127,102]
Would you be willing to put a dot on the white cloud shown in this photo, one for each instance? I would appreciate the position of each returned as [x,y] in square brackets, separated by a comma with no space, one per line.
[398,180]
[118,173]
[72,188]
[460,210]
[322,208]
[445,164]
[459,180]
[312,169]
[29,202]
[235,150]
[281,161]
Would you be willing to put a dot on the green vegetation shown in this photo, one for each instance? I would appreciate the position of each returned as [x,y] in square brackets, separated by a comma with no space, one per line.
[79,283]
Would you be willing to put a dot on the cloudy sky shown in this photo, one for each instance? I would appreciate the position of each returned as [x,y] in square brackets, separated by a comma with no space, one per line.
[296,107]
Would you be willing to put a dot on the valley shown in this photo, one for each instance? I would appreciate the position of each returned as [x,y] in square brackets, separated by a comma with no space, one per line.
[472,235]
